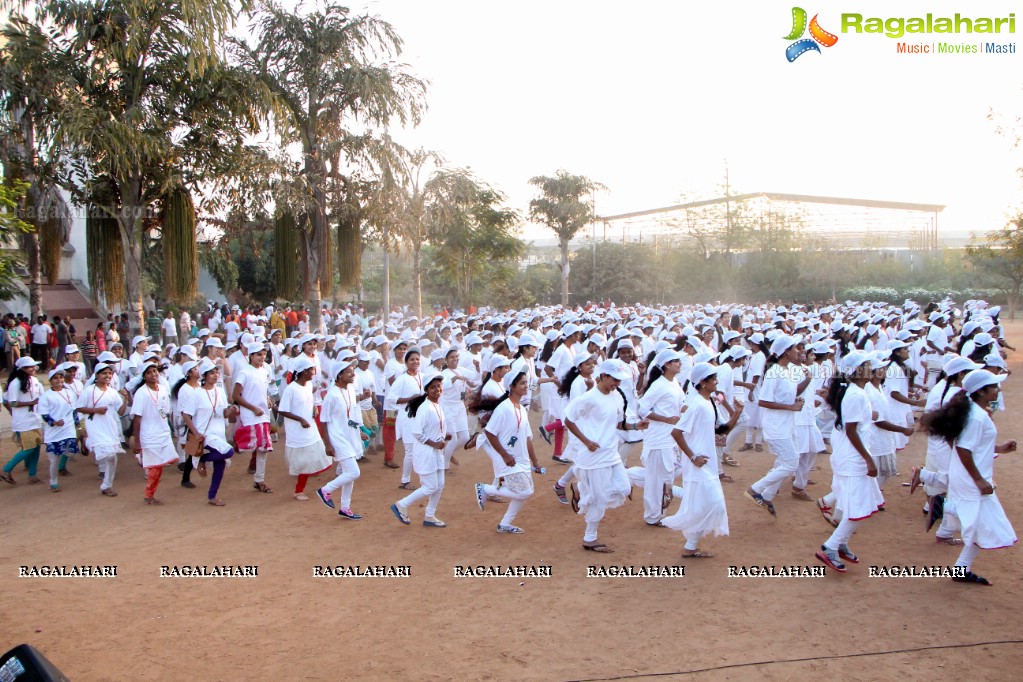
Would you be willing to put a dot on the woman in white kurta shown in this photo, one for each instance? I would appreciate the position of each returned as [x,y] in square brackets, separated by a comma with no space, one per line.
[103,407]
[204,412]
[406,387]
[456,384]
[23,393]
[509,441]
[342,416]
[809,441]
[575,383]
[783,383]
[703,510]
[854,474]
[971,489]
[154,445]
[303,445]
[429,432]
[60,424]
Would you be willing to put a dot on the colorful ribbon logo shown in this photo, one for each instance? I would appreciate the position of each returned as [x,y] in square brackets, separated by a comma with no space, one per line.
[817,35]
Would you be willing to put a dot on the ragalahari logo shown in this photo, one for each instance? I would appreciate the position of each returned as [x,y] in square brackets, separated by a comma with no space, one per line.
[817,35]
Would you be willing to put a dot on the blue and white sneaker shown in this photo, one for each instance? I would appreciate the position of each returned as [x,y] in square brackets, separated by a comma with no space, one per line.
[481,496]
[325,498]
[543,434]
[509,529]
[349,514]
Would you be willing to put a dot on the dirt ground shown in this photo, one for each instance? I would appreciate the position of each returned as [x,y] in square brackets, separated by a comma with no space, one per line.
[287,625]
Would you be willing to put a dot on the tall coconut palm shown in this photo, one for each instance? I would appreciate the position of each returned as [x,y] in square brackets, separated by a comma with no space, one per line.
[332,71]
[150,106]
[563,207]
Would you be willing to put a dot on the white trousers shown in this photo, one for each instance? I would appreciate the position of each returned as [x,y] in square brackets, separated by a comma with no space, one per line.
[347,473]
[430,486]
[785,461]
[107,467]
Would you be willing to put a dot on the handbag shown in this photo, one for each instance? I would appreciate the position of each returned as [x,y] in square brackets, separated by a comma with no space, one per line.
[194,445]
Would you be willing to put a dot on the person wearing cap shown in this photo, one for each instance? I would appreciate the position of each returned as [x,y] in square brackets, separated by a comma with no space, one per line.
[754,374]
[899,388]
[343,419]
[935,347]
[365,388]
[455,386]
[60,424]
[995,364]
[153,444]
[73,354]
[854,473]
[103,406]
[509,443]
[393,368]
[934,474]
[885,428]
[251,394]
[204,413]
[703,511]
[556,368]
[594,419]
[780,399]
[661,405]
[623,350]
[578,381]
[304,450]
[402,391]
[965,422]
[733,390]
[74,386]
[427,430]
[23,393]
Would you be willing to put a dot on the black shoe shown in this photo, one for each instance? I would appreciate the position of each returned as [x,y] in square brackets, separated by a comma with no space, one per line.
[187,484]
[181,466]
[937,511]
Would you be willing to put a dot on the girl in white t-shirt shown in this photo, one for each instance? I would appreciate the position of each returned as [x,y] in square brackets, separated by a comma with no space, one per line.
[428,429]
[854,473]
[103,406]
[303,445]
[342,416]
[60,424]
[965,423]
[154,447]
[23,393]
[510,442]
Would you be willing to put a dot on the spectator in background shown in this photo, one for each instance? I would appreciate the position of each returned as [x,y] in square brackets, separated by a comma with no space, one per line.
[169,329]
[100,338]
[123,327]
[12,348]
[90,349]
[185,324]
[153,326]
[41,331]
[63,337]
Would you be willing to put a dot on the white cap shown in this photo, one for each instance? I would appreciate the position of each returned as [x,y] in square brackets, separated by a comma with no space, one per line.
[254,347]
[214,342]
[22,363]
[853,360]
[665,356]
[206,366]
[701,371]
[302,363]
[994,360]
[340,366]
[979,378]
[71,348]
[137,340]
[497,361]
[615,369]
[189,366]
[55,371]
[781,344]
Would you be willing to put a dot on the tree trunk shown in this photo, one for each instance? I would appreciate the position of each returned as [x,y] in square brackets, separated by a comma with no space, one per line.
[1014,300]
[564,272]
[417,281]
[35,275]
[133,284]
[386,288]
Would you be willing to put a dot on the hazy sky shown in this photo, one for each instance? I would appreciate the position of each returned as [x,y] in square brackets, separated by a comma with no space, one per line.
[650,98]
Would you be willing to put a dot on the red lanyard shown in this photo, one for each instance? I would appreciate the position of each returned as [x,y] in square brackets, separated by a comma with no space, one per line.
[214,400]
[64,397]
[518,418]
[348,404]
[419,380]
[156,400]
[94,400]
[440,415]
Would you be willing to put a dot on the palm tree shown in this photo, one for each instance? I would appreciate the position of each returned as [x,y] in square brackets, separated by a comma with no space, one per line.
[562,207]
[148,109]
[320,66]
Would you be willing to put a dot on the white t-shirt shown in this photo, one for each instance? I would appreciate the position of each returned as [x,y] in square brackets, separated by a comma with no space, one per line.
[40,333]
[255,384]
[979,438]
[25,418]
[339,408]
[153,407]
[206,408]
[58,406]
[364,380]
[169,328]
[298,400]
[856,409]
[779,386]
[102,429]
[232,331]
[596,415]
[697,425]
[510,421]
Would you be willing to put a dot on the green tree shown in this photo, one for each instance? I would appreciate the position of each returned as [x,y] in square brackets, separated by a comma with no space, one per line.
[11,228]
[330,70]
[1000,255]
[563,206]
[150,107]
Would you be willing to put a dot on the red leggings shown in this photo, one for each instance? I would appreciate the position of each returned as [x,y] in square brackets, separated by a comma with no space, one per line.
[153,475]
[558,429]
[304,478]
[390,437]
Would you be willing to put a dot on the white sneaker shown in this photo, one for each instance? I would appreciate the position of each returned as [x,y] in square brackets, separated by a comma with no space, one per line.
[509,529]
